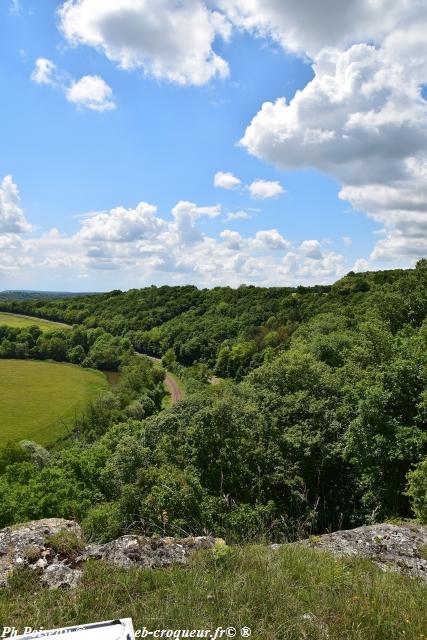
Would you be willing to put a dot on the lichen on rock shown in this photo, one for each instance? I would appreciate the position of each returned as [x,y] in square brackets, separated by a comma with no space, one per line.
[392,547]
[42,546]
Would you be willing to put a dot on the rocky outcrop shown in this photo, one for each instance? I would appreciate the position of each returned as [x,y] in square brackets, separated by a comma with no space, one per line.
[391,547]
[27,545]
[54,548]
[150,553]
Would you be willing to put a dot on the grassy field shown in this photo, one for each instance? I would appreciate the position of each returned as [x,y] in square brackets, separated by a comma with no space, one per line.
[15,320]
[291,594]
[38,398]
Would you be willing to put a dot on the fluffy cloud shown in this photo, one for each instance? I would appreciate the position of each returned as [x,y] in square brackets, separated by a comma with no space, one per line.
[167,39]
[185,214]
[262,189]
[310,26]
[91,92]
[122,225]
[44,72]
[268,240]
[226,180]
[271,240]
[233,239]
[311,249]
[12,219]
[259,189]
[362,119]
[134,246]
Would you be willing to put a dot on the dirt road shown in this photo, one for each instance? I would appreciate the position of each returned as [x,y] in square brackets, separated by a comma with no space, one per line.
[170,382]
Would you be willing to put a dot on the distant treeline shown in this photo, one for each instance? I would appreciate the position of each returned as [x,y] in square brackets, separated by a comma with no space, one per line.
[93,348]
[43,295]
[321,424]
[232,331]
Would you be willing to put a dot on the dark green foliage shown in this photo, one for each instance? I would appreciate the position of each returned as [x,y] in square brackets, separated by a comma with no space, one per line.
[417,490]
[321,418]
[89,347]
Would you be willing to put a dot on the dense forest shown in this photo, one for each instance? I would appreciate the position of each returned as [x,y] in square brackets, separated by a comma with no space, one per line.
[319,421]
[20,294]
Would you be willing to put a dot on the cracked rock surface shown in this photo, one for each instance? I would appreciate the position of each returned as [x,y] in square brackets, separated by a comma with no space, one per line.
[393,548]
[401,548]
[29,545]
[150,553]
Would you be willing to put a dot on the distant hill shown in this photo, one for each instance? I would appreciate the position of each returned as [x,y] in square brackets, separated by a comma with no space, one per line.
[38,295]
[231,330]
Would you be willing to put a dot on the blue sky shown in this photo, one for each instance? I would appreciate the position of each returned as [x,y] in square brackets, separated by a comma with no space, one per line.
[82,156]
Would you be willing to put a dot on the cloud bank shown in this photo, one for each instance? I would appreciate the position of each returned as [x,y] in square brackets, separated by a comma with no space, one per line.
[141,246]
[363,117]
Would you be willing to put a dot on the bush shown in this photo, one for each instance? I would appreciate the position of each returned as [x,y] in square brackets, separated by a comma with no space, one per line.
[38,454]
[103,523]
[417,490]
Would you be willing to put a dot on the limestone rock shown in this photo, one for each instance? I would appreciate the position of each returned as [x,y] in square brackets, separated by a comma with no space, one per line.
[391,547]
[60,575]
[29,545]
[148,552]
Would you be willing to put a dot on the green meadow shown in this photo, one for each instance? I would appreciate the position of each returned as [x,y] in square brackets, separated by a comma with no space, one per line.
[16,320]
[38,399]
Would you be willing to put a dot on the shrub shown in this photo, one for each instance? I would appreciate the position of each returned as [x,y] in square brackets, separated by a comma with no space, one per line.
[417,490]
[102,523]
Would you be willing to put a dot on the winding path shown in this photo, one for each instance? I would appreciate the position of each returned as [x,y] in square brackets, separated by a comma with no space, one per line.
[170,382]
[176,393]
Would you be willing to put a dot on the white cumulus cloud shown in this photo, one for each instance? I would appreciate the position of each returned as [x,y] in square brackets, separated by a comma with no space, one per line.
[12,219]
[270,239]
[122,225]
[185,214]
[311,249]
[226,180]
[308,26]
[363,120]
[263,189]
[91,92]
[167,39]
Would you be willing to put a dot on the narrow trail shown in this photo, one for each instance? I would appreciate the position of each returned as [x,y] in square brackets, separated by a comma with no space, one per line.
[170,382]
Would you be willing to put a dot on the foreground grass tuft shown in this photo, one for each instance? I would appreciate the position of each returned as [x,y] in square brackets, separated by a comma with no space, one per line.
[66,543]
[291,594]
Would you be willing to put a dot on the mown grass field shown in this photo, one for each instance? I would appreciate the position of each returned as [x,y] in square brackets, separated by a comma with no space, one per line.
[38,399]
[291,594]
[15,320]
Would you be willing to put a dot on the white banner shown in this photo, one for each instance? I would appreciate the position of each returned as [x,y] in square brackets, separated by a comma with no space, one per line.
[112,630]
